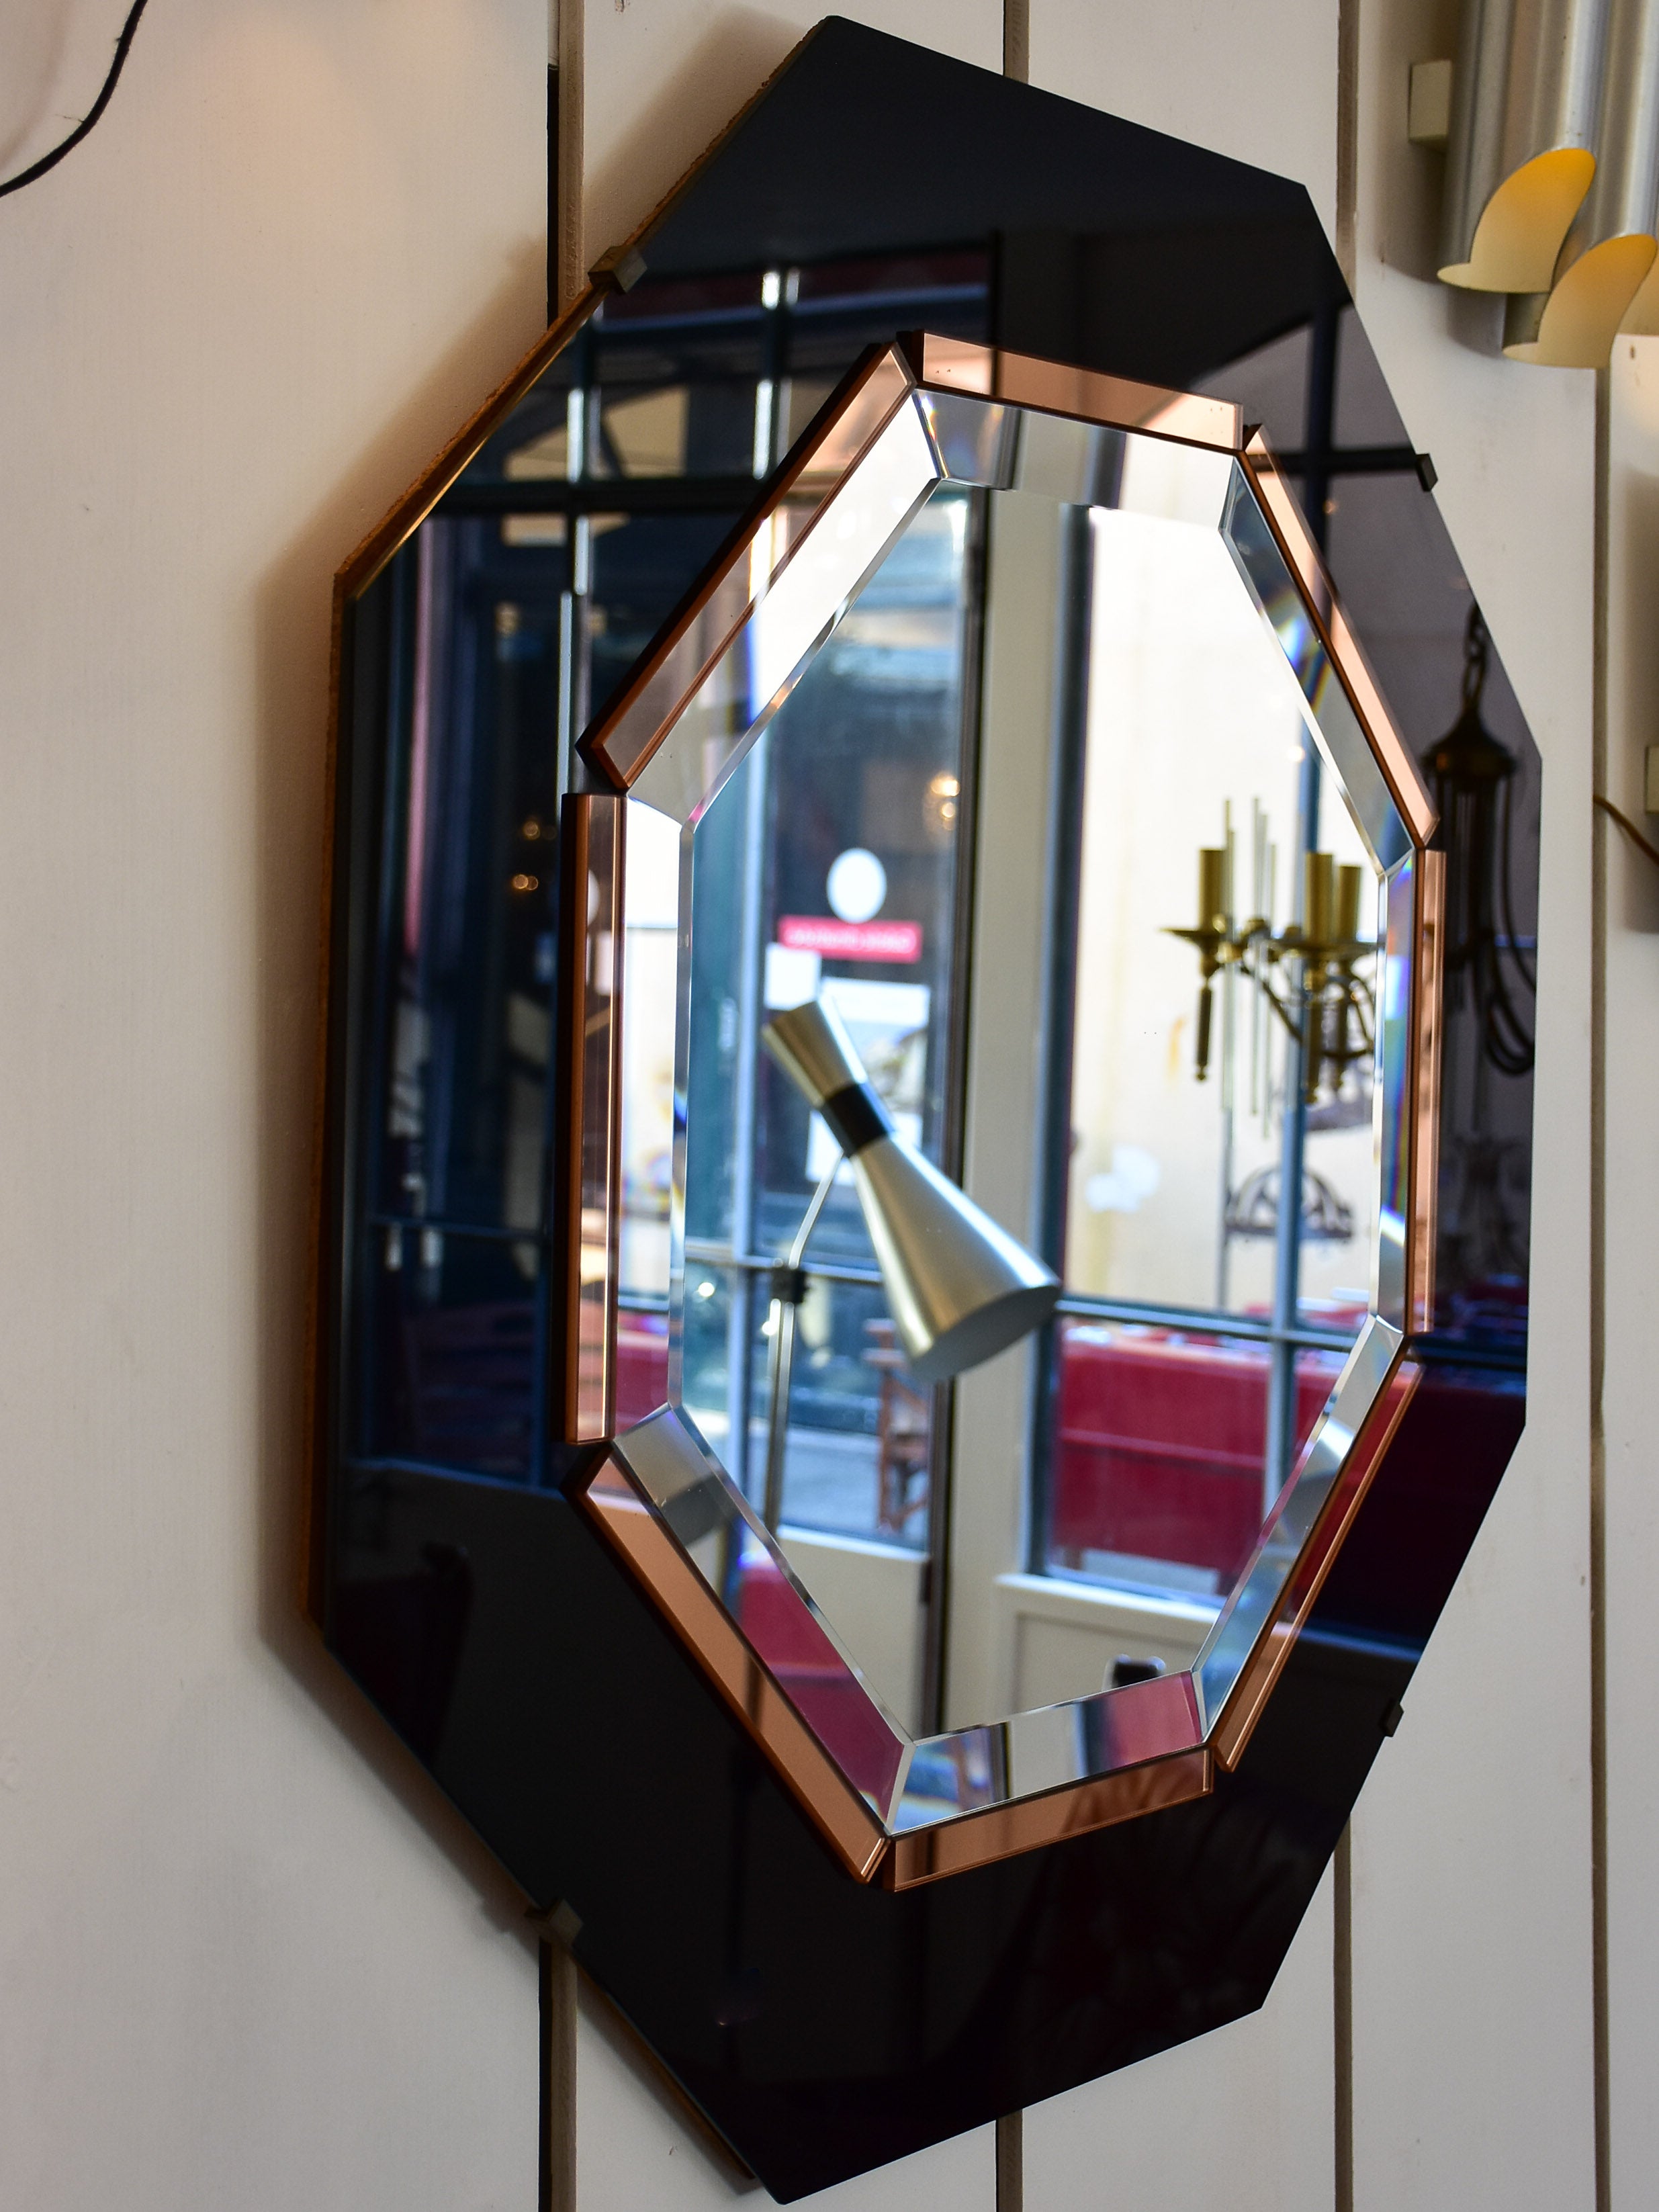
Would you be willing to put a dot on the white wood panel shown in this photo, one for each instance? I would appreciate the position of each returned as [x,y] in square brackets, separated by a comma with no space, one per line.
[665,76]
[1241,2118]
[1631,1392]
[1473,2079]
[244,1957]
[1055,1639]
[1257,83]
[636,2152]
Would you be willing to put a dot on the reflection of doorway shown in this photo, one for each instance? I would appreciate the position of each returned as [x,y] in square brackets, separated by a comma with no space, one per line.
[826,867]
[1128,679]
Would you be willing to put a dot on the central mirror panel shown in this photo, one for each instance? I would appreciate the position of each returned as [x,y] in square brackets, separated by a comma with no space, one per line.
[1033,868]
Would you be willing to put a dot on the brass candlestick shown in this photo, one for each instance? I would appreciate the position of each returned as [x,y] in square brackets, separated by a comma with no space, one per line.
[1322,999]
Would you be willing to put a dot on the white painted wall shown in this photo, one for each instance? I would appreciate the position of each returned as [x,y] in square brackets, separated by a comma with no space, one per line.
[1471,1892]
[1629,1396]
[247,1959]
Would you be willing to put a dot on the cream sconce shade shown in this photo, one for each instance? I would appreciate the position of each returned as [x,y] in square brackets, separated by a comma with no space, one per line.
[1553,172]
[1525,104]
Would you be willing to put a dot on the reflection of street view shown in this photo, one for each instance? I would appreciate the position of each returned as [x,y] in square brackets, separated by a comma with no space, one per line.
[835,862]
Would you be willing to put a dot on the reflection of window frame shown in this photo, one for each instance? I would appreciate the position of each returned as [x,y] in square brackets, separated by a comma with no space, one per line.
[746,1266]
[1284,1334]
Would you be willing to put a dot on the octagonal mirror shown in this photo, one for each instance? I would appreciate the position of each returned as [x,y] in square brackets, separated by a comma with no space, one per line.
[1002,884]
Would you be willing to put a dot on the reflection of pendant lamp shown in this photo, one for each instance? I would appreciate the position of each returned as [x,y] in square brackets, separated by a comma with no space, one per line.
[1525,98]
[1487,967]
[960,1288]
[1610,248]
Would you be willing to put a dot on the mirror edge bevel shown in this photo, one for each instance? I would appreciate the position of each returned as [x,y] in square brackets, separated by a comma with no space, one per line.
[639,1536]
[1285,519]
[772,494]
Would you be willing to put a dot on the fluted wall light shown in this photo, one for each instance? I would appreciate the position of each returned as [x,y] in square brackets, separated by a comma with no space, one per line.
[1611,247]
[1525,108]
[1552,173]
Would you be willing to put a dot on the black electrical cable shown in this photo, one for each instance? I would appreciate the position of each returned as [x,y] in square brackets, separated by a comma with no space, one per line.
[68,145]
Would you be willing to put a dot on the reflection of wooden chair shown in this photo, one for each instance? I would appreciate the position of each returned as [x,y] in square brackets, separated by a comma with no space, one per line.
[904,1419]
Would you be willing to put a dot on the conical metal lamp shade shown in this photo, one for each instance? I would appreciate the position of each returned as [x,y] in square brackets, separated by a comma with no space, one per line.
[960,1288]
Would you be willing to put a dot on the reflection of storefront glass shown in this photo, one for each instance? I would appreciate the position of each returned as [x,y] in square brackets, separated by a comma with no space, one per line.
[480,652]
[827,866]
[1174,1221]
[451,1265]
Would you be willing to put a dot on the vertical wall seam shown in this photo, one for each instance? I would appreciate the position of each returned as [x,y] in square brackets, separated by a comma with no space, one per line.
[1342,2021]
[1598,831]
[1347,136]
[1011,2163]
[568,258]
[557,2181]
[1017,40]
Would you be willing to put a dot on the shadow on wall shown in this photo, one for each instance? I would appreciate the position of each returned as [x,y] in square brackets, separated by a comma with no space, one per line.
[54,56]
[292,645]
[33,37]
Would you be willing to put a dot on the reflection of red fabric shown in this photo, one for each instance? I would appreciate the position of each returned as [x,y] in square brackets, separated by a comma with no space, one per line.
[641,1366]
[1147,1720]
[1160,1446]
[817,1679]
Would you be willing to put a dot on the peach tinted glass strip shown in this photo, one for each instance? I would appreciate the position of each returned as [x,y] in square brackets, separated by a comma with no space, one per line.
[1279,503]
[634,1530]
[927,1854]
[1239,1716]
[749,1576]
[1425,1136]
[1054,388]
[364,564]
[1052,1747]
[623,742]
[591,916]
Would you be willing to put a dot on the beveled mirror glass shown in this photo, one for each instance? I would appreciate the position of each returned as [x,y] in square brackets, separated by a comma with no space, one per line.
[1016,748]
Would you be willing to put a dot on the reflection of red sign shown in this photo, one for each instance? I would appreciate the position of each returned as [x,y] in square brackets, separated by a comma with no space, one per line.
[851,940]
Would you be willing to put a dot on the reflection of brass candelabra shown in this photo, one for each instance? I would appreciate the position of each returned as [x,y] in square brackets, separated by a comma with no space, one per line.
[1308,973]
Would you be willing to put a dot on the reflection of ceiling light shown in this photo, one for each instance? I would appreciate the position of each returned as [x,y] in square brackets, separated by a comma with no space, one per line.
[522,883]
[705,1289]
[1134,1175]
[857,885]
[944,786]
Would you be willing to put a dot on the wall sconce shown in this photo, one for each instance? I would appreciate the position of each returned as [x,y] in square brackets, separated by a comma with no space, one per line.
[1521,155]
[1600,280]
[1553,172]
[1326,1007]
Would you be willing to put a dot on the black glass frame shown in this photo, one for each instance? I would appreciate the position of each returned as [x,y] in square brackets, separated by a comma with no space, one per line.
[823,2026]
